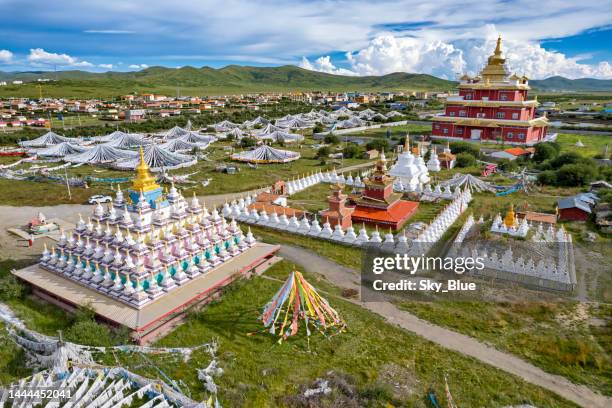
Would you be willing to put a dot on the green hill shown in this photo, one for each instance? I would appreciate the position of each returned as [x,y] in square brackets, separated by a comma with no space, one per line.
[209,81]
[561,84]
[235,79]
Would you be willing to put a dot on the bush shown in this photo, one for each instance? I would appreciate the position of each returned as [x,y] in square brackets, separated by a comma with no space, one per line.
[464,147]
[323,152]
[318,128]
[566,158]
[378,144]
[465,160]
[545,151]
[89,333]
[248,142]
[11,288]
[331,139]
[508,165]
[351,150]
[548,177]
[577,174]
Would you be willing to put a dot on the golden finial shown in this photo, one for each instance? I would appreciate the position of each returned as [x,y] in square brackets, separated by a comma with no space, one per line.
[498,46]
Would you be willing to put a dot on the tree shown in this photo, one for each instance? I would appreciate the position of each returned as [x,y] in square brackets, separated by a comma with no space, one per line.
[248,142]
[318,128]
[465,160]
[330,138]
[379,144]
[508,165]
[548,177]
[566,158]
[323,152]
[351,150]
[545,151]
[464,147]
[576,174]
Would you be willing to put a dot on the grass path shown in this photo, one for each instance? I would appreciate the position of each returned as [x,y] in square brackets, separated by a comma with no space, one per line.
[449,339]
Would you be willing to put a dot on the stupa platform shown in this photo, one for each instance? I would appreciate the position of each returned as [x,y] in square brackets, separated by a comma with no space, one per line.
[160,315]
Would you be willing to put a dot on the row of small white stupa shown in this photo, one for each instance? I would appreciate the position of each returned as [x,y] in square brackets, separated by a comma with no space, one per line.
[135,261]
[313,228]
[545,268]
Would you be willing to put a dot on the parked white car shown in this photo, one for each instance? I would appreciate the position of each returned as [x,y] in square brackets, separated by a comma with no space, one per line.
[100,199]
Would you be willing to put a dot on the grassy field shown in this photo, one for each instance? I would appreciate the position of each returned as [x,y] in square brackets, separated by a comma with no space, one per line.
[260,372]
[567,338]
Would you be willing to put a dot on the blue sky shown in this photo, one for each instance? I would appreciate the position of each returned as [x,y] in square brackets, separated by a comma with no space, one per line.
[444,38]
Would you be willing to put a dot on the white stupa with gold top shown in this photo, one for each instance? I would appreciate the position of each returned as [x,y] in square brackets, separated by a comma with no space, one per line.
[146,244]
[410,170]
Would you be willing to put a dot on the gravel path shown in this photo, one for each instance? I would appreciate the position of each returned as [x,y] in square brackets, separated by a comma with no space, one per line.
[348,278]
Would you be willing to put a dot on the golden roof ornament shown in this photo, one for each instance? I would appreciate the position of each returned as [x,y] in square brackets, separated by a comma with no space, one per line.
[144,180]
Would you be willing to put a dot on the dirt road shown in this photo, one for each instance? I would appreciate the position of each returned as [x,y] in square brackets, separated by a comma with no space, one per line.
[348,278]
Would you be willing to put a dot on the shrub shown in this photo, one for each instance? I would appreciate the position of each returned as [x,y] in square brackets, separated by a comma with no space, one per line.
[378,144]
[464,147]
[577,174]
[508,165]
[548,177]
[351,150]
[89,333]
[465,160]
[11,288]
[248,142]
[545,151]
[323,152]
[331,139]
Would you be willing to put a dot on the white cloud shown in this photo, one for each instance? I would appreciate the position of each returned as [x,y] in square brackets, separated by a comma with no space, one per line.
[388,53]
[5,56]
[109,32]
[106,66]
[324,64]
[40,57]
[138,66]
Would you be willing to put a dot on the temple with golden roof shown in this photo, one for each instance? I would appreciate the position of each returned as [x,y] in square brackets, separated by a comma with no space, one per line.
[492,106]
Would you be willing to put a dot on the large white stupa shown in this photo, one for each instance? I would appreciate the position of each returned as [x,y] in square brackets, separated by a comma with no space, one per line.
[410,169]
[433,164]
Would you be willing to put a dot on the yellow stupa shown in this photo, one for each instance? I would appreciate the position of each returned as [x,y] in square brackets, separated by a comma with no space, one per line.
[510,219]
[144,180]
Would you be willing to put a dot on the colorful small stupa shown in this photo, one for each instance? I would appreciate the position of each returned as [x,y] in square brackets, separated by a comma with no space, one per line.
[144,246]
[510,224]
[510,220]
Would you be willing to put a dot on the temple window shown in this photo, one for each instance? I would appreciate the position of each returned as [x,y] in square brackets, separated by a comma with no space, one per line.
[468,96]
[510,135]
[521,136]
[445,130]
[462,113]
[459,131]
[437,126]
[452,113]
[515,115]
[501,115]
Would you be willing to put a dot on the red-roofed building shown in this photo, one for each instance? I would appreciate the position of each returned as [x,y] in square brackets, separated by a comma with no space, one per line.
[379,205]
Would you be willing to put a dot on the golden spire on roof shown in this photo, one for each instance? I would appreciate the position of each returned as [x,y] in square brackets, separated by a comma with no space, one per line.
[495,70]
[144,180]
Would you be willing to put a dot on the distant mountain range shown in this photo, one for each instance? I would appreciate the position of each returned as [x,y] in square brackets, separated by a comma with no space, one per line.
[240,79]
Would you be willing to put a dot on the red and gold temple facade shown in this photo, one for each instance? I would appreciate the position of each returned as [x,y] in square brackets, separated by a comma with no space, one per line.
[492,106]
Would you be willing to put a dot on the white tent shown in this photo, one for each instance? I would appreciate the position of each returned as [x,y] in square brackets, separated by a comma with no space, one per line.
[127,140]
[48,139]
[59,150]
[194,137]
[158,159]
[293,123]
[266,154]
[117,134]
[235,133]
[180,145]
[257,121]
[174,133]
[469,181]
[100,154]
[270,128]
[225,126]
[280,136]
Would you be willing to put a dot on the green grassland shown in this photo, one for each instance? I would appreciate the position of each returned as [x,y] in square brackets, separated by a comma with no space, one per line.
[209,81]
[371,354]
[561,337]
